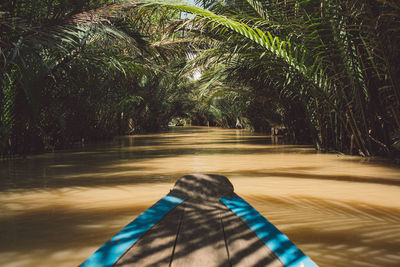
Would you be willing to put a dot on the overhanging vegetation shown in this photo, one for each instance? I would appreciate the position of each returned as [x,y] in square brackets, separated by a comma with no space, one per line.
[326,70]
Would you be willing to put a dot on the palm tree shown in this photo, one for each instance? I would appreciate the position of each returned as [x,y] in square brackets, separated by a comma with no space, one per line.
[80,73]
[323,55]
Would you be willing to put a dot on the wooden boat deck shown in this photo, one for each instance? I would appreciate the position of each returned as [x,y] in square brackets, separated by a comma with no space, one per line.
[197,234]
[207,229]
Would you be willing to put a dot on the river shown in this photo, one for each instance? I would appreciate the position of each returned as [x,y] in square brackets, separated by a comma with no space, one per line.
[58,208]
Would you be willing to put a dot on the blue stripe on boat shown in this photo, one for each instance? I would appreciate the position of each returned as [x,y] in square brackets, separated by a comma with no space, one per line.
[110,252]
[278,243]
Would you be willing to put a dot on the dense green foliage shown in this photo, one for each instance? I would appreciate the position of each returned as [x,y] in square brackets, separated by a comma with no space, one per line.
[68,75]
[326,70]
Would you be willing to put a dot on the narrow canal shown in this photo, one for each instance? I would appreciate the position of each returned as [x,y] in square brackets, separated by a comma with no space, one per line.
[58,208]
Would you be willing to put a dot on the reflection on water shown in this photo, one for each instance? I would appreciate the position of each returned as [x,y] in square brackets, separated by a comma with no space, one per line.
[57,208]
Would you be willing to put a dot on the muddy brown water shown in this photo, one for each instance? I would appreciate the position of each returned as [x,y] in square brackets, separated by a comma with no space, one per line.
[58,208]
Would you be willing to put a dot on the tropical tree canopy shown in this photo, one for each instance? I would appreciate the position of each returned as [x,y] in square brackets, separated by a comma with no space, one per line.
[326,71]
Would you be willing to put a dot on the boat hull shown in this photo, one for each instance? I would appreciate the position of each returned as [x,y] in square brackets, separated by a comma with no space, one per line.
[201,222]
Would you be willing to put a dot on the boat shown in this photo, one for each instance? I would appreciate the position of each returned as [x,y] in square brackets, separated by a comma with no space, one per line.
[200,222]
